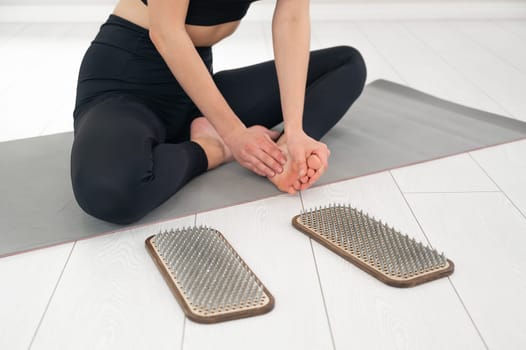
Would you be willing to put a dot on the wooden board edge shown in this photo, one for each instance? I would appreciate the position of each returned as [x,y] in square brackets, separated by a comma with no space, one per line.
[186,308]
[448,270]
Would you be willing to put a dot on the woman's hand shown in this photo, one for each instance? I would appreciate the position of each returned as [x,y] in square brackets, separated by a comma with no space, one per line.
[301,147]
[254,149]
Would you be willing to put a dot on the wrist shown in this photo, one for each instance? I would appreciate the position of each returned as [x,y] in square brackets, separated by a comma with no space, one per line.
[293,131]
[227,124]
[231,134]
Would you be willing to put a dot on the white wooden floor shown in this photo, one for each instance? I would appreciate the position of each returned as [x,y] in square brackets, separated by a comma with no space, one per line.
[106,293]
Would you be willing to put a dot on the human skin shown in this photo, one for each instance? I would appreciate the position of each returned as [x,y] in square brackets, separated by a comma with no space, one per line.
[252,147]
[217,152]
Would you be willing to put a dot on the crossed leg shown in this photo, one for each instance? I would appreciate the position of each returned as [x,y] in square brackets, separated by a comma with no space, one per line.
[335,79]
[122,168]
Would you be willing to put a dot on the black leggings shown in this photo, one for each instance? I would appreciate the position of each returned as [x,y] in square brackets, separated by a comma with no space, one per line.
[132,148]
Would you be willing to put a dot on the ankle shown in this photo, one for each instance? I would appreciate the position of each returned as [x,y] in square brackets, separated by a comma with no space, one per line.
[214,151]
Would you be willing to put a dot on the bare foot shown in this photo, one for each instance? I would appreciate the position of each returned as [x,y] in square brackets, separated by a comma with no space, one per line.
[287,181]
[203,133]
[313,165]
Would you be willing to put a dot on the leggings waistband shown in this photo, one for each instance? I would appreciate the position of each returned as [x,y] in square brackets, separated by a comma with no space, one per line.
[142,34]
[124,22]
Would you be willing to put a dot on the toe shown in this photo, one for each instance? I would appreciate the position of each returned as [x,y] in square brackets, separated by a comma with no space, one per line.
[314,162]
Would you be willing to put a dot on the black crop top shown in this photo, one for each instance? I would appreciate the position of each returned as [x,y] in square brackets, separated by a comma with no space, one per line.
[210,12]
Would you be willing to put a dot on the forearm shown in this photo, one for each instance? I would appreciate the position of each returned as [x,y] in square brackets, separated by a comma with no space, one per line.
[188,68]
[291,44]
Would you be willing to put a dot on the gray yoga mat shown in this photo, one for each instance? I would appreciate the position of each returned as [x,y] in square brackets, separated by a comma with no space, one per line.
[388,127]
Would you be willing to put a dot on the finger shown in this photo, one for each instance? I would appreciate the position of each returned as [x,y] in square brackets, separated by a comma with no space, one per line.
[252,168]
[255,162]
[269,161]
[257,171]
[261,167]
[274,151]
[274,134]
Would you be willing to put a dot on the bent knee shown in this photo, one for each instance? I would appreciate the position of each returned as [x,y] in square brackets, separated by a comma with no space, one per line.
[110,200]
[354,58]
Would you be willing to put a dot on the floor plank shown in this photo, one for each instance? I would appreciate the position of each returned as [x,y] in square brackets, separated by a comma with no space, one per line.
[334,33]
[364,312]
[28,281]
[506,165]
[68,60]
[112,296]
[497,79]
[513,27]
[263,236]
[493,38]
[30,79]
[421,67]
[484,235]
[450,174]
[245,47]
[8,32]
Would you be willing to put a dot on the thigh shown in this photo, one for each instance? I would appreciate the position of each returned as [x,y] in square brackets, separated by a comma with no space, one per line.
[121,168]
[114,140]
[253,91]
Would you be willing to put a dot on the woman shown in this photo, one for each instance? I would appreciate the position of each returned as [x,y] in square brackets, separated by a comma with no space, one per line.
[150,113]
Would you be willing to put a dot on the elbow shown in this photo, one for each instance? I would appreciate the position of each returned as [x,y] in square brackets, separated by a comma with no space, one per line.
[156,38]
[166,38]
[159,36]
[289,24]
[153,36]
[291,11]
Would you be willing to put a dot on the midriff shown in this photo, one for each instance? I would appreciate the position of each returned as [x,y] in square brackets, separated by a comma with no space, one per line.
[135,11]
